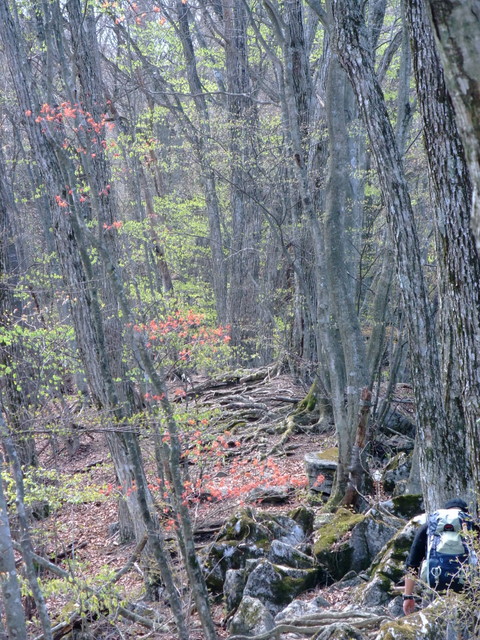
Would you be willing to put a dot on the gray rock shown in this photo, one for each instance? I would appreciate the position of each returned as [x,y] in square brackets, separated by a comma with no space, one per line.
[272,495]
[331,546]
[233,588]
[287,530]
[282,553]
[397,470]
[304,517]
[370,536]
[395,607]
[221,557]
[260,528]
[251,618]
[340,632]
[276,585]
[320,468]
[299,608]
[388,568]
[408,505]
[444,619]
[350,579]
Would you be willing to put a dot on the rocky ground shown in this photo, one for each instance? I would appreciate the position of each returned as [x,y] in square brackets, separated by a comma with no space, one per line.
[257,521]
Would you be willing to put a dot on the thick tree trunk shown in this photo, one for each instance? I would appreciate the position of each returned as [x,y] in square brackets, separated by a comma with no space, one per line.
[456,26]
[459,267]
[351,41]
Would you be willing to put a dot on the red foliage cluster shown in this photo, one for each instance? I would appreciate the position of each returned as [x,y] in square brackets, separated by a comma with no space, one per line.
[245,475]
[66,111]
[185,331]
[67,117]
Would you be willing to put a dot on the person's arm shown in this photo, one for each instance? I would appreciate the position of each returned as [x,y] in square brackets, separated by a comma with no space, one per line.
[408,599]
[417,553]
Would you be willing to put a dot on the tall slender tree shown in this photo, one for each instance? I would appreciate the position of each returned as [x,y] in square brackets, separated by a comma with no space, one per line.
[354,50]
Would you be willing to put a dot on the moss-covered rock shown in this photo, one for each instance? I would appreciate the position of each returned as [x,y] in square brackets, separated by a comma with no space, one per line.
[430,623]
[408,505]
[320,467]
[303,517]
[370,536]
[251,618]
[221,557]
[388,568]
[260,528]
[277,585]
[331,546]
[233,588]
[248,535]
[340,631]
[285,554]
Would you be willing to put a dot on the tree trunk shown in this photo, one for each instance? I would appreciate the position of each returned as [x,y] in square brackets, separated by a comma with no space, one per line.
[17,396]
[25,539]
[243,122]
[456,26]
[353,47]
[459,267]
[10,586]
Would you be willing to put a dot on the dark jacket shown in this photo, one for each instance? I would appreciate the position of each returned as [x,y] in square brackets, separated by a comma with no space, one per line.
[418,550]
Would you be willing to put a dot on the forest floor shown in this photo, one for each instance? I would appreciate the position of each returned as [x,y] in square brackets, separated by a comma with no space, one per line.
[83,529]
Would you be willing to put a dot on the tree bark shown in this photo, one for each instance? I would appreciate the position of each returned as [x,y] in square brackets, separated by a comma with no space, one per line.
[459,266]
[10,586]
[456,26]
[25,540]
[243,124]
[353,47]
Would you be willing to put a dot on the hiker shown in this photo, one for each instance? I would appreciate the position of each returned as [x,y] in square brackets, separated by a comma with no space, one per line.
[439,548]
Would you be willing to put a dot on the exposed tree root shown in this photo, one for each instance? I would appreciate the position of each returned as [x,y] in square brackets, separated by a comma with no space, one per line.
[316,624]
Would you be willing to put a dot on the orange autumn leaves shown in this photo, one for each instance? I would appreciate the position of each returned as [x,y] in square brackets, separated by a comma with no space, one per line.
[214,476]
[184,337]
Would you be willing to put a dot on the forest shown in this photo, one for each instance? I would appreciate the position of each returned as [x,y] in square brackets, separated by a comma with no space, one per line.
[227,228]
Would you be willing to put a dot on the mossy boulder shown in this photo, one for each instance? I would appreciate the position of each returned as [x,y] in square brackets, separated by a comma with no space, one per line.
[370,535]
[260,528]
[444,618]
[233,588]
[320,467]
[248,536]
[388,568]
[285,554]
[304,517]
[331,546]
[350,541]
[221,557]
[277,585]
[408,505]
[299,608]
[251,618]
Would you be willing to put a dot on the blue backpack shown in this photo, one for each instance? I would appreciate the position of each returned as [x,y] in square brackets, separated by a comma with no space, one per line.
[448,549]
